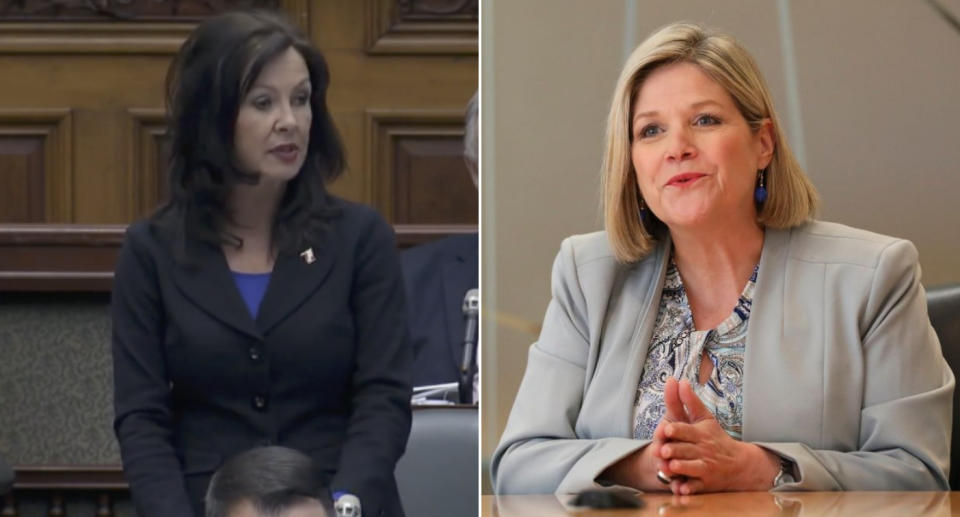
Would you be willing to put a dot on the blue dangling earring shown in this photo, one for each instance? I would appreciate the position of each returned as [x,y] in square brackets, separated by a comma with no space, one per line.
[760,195]
[642,211]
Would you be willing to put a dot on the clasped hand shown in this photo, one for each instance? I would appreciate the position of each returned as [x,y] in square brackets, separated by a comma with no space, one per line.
[691,447]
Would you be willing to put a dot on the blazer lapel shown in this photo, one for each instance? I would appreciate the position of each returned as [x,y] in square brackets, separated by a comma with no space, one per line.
[761,380]
[207,282]
[647,305]
[619,334]
[294,278]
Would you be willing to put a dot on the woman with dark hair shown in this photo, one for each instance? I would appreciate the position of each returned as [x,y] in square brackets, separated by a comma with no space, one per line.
[254,308]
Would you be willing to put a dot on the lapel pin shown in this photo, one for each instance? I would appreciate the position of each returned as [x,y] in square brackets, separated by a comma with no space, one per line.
[308,256]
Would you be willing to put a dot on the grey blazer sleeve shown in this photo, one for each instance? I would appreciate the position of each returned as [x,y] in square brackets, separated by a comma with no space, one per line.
[540,451]
[905,420]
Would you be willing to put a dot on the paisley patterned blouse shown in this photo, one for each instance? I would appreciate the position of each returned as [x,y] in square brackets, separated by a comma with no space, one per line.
[676,349]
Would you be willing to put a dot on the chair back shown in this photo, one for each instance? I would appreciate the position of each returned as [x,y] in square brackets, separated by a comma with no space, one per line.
[438,476]
[943,304]
[6,477]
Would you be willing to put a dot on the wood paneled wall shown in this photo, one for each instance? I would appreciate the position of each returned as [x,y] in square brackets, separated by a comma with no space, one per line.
[82,144]
[82,115]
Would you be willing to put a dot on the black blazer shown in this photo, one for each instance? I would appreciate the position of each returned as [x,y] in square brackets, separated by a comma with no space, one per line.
[324,368]
[437,275]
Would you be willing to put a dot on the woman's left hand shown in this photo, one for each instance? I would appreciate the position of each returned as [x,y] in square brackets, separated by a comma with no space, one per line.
[709,458]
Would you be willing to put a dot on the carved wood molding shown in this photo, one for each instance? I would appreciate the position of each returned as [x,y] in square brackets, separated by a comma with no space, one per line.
[46,257]
[409,235]
[49,258]
[422,27]
[92,38]
[128,10]
[55,126]
[69,477]
[144,191]
[101,484]
[122,37]
[383,128]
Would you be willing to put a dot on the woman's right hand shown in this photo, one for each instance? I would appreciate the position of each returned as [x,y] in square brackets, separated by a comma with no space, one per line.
[639,469]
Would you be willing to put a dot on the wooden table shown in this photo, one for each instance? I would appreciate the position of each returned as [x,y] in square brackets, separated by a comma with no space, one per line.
[744,504]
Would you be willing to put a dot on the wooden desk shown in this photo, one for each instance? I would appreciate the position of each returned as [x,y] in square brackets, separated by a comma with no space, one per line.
[747,504]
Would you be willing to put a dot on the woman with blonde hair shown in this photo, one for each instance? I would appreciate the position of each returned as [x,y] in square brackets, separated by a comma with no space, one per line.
[716,337]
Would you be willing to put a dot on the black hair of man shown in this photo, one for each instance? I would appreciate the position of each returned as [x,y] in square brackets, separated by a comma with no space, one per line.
[273,479]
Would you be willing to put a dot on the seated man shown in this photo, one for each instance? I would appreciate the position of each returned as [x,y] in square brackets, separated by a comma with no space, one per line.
[438,275]
[268,482]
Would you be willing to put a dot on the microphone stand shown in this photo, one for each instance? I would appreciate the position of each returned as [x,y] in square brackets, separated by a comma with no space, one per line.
[471,310]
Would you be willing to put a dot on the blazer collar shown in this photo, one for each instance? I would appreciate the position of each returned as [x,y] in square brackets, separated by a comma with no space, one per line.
[294,279]
[209,284]
[760,384]
[649,277]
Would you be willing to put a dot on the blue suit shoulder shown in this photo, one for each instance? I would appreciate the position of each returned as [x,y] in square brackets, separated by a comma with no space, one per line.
[357,216]
[437,275]
[464,246]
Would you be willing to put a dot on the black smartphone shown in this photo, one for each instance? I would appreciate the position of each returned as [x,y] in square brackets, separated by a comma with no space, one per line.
[607,498]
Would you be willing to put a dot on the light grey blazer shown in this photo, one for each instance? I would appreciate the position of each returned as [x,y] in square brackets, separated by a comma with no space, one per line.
[843,373]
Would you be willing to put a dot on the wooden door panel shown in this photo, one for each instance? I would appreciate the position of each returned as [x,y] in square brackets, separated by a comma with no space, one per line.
[431,182]
[21,179]
[422,26]
[415,158]
[149,150]
[35,165]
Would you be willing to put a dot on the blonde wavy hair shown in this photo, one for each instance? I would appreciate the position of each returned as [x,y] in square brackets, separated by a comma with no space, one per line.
[791,199]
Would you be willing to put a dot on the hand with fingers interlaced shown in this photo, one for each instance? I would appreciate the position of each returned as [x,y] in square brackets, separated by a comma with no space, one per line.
[694,451]
[639,469]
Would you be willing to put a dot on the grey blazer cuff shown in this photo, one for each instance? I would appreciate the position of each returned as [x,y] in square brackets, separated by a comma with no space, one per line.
[603,453]
[827,470]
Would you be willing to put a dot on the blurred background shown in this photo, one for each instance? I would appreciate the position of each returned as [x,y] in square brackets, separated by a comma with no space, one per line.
[868,92]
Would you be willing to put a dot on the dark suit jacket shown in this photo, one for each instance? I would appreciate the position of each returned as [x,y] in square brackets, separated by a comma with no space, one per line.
[437,275]
[324,368]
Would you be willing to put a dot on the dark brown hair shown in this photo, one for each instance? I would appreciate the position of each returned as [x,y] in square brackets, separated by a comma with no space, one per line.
[206,83]
[273,479]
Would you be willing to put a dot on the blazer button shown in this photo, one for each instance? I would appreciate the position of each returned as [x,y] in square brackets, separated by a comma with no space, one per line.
[260,402]
[254,353]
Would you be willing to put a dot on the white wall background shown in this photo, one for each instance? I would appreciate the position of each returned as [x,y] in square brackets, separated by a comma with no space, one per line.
[868,90]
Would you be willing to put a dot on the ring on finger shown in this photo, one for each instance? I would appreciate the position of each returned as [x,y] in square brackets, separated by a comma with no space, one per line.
[665,479]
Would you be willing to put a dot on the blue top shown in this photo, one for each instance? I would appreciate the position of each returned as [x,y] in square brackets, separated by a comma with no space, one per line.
[252,287]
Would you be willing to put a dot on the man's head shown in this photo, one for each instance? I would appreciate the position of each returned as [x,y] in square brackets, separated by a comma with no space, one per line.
[268,482]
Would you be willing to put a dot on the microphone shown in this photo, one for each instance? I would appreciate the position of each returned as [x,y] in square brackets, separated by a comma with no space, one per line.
[347,505]
[471,313]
